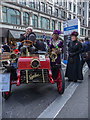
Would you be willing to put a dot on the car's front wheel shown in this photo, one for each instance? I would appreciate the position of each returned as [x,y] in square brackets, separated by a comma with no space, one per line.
[61,82]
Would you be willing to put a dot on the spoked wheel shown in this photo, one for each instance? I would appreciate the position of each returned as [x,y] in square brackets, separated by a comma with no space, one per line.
[61,82]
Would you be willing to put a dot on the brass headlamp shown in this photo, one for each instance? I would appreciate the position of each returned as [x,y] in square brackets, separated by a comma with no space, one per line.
[53,55]
[35,63]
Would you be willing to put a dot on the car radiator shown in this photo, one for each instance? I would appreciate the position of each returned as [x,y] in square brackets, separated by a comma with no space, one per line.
[36,75]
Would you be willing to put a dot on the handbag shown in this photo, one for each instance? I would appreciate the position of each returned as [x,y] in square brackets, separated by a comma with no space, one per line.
[86,55]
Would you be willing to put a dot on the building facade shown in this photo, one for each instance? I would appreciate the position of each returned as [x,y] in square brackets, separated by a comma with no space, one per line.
[43,15]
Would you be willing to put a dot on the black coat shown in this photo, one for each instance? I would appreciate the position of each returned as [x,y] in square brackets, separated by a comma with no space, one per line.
[74,69]
[6,48]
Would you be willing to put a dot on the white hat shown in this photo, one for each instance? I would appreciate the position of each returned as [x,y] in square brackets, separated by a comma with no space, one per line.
[29,28]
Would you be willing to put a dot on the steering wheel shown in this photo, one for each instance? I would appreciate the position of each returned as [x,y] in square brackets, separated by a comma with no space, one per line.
[27,42]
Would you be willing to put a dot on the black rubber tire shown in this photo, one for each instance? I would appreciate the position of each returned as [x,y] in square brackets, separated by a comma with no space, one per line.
[5,96]
[63,83]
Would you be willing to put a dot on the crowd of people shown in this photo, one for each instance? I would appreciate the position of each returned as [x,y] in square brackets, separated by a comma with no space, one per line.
[79,52]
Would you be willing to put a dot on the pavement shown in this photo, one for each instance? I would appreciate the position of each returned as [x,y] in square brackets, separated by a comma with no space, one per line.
[33,100]
[77,106]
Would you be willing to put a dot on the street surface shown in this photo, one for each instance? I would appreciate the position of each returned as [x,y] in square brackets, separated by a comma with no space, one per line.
[43,100]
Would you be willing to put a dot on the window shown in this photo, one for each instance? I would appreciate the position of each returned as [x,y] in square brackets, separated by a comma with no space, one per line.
[79,11]
[85,32]
[89,33]
[50,10]
[63,3]
[14,0]
[59,25]
[25,18]
[45,23]
[35,21]
[74,17]
[88,23]
[4,14]
[83,22]
[46,8]
[56,12]
[74,8]
[69,16]
[89,14]
[42,7]
[63,14]
[23,2]
[83,13]
[60,11]
[83,4]
[32,4]
[36,4]
[81,31]
[11,15]
[70,6]
[53,25]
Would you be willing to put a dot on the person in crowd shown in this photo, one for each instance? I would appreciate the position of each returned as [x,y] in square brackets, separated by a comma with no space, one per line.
[86,50]
[2,49]
[58,45]
[6,48]
[74,69]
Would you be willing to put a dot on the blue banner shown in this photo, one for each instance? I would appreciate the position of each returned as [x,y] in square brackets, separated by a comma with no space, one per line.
[71,28]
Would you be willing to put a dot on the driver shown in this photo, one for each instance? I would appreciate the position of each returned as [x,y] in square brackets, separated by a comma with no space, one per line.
[37,44]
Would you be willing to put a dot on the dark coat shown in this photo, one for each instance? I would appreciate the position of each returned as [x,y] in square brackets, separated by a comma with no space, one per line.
[6,48]
[86,46]
[74,69]
[26,38]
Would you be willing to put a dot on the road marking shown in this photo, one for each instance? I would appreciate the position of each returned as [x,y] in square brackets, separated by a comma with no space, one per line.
[56,106]
[63,64]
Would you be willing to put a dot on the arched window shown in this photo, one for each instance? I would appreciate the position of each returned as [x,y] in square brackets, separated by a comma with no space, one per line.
[45,23]
[25,18]
[35,21]
[53,25]
[11,15]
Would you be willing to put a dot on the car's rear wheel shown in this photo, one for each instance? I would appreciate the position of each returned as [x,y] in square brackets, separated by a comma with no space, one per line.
[61,82]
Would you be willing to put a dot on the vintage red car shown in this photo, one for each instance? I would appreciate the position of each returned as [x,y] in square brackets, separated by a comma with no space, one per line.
[33,68]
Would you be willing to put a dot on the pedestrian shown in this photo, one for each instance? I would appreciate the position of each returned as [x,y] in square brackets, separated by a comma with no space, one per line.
[74,69]
[86,52]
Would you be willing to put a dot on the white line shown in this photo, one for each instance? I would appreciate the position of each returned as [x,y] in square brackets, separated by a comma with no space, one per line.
[56,106]
[63,64]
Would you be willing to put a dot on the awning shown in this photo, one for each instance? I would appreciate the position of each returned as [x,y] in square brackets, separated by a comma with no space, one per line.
[15,34]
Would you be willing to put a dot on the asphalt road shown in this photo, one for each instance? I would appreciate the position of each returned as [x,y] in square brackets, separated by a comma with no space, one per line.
[30,101]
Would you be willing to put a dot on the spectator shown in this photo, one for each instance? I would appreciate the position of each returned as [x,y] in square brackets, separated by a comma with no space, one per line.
[74,69]
[86,52]
[6,48]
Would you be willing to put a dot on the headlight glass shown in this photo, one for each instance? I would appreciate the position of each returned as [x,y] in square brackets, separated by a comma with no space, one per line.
[35,63]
